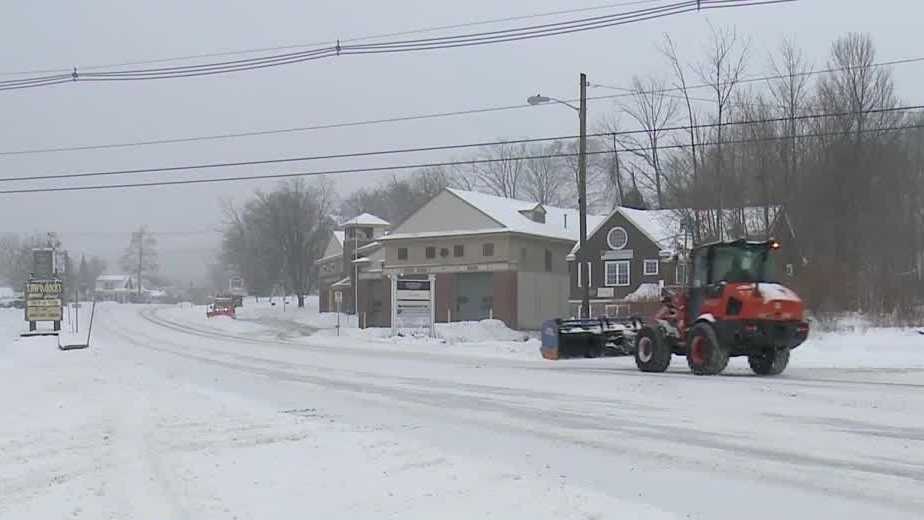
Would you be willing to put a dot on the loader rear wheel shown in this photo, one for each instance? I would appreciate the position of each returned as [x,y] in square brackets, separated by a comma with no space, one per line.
[769,362]
[706,356]
[652,353]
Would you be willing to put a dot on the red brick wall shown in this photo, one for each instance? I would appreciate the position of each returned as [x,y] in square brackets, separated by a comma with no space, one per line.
[445,296]
[505,297]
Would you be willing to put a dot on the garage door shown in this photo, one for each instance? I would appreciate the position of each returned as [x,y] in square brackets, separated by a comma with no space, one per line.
[474,296]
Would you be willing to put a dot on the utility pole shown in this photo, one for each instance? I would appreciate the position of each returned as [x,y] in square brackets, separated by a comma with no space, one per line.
[582,198]
[140,258]
[356,275]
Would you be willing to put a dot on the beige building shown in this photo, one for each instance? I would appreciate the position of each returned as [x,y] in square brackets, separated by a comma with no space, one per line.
[351,265]
[491,256]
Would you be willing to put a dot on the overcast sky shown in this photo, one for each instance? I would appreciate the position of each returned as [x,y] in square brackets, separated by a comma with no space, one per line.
[41,35]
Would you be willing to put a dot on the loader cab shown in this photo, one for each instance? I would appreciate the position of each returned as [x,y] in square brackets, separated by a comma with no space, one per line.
[713,266]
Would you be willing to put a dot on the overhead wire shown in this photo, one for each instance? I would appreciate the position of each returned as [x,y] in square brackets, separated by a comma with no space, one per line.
[471,162]
[442,42]
[396,151]
[627,92]
[420,30]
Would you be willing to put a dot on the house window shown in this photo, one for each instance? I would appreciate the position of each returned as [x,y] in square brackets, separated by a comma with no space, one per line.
[580,281]
[402,253]
[548,261]
[487,249]
[651,267]
[617,238]
[616,310]
[431,252]
[617,273]
[458,251]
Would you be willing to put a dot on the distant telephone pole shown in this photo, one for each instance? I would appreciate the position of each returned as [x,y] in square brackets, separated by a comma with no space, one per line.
[582,195]
[140,257]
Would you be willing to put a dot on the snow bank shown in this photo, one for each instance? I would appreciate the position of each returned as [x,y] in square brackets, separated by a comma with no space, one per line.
[870,348]
[487,338]
[645,292]
[473,331]
[265,311]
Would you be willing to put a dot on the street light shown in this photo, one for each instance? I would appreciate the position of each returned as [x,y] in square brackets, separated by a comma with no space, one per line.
[582,182]
[539,99]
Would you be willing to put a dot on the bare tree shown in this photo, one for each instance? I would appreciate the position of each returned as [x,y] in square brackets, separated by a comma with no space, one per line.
[669,50]
[722,68]
[290,226]
[140,256]
[653,109]
[546,179]
[503,175]
[790,91]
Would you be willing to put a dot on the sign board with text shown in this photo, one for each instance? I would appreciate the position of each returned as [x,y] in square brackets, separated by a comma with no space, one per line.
[44,300]
[43,263]
[413,302]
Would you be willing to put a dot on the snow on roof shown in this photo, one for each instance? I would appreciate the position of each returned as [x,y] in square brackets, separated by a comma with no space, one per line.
[370,245]
[645,292]
[507,212]
[662,226]
[114,277]
[659,225]
[366,219]
[342,283]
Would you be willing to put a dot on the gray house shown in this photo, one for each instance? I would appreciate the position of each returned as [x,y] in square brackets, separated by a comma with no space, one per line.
[625,256]
[492,256]
[629,254]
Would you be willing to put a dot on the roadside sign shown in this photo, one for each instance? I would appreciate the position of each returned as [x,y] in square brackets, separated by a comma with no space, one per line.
[413,304]
[43,263]
[44,300]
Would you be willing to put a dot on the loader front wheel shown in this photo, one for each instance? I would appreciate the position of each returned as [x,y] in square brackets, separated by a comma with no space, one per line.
[652,353]
[706,356]
[769,362]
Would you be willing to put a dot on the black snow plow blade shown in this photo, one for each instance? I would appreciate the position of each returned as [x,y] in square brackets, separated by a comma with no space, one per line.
[588,338]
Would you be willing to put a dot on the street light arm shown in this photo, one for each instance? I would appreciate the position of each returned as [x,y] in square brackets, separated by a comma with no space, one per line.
[539,99]
[569,105]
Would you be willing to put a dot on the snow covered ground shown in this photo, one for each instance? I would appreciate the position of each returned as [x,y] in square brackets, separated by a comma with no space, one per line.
[171,415]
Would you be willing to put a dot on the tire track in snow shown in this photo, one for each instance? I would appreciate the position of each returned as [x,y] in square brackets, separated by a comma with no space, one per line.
[153,316]
[558,425]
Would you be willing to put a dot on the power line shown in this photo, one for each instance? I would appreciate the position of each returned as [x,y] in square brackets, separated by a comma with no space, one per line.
[415,117]
[758,79]
[482,144]
[441,164]
[443,42]
[421,30]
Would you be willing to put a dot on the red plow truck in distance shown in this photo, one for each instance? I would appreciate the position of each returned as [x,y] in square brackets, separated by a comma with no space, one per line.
[731,306]
[221,306]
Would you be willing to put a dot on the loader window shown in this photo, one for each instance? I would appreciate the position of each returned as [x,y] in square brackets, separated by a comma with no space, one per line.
[700,269]
[742,264]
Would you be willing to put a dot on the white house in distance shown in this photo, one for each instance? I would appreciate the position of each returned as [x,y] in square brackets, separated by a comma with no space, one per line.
[115,287]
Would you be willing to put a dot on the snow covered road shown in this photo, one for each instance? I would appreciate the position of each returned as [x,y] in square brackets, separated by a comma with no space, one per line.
[165,419]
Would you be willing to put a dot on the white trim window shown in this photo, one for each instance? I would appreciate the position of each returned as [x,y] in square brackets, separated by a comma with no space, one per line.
[617,238]
[616,310]
[618,273]
[590,276]
[651,267]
